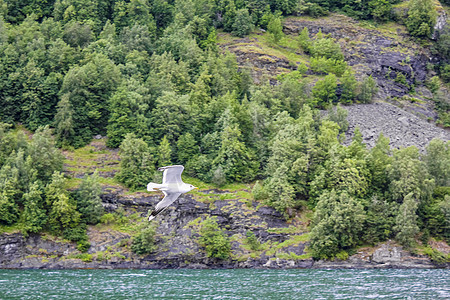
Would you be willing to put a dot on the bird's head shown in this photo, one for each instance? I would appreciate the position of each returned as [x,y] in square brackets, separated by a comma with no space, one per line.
[191,187]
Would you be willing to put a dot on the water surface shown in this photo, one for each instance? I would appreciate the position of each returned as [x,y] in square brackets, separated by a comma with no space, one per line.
[225,284]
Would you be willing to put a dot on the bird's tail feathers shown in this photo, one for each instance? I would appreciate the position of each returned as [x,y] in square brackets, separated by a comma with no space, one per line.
[151,187]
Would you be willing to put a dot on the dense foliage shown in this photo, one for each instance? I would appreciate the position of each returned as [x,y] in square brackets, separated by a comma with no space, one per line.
[34,194]
[149,75]
[214,240]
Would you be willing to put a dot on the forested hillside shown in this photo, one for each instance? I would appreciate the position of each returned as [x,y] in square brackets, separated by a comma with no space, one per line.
[155,79]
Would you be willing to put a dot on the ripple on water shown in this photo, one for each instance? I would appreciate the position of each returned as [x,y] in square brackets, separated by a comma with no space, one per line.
[225,284]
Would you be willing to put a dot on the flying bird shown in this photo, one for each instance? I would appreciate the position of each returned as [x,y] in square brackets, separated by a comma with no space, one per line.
[172,186]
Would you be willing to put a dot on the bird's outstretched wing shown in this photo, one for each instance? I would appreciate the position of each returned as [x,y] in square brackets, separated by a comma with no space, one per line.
[172,174]
[163,204]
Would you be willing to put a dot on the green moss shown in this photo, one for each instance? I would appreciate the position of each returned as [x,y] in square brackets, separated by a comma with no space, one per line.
[194,223]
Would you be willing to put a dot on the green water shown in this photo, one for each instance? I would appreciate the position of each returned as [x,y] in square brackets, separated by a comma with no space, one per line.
[225,284]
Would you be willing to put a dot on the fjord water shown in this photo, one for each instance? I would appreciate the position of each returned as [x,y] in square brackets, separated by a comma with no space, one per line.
[225,284]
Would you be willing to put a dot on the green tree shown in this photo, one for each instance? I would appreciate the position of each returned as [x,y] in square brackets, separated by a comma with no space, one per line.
[171,116]
[62,209]
[243,23]
[380,220]
[164,152]
[326,47]
[380,10]
[46,159]
[89,203]
[280,191]
[406,221]
[275,29]
[34,216]
[304,40]
[136,162]
[144,241]
[421,18]
[238,162]
[338,223]
[64,127]
[338,115]
[437,160]
[367,89]
[9,194]
[88,88]
[186,148]
[378,160]
[409,175]
[348,87]
[324,91]
[127,113]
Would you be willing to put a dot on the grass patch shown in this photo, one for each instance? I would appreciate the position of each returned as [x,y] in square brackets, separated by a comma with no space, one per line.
[286,230]
[14,228]
[296,239]
[293,256]
[118,221]
[85,257]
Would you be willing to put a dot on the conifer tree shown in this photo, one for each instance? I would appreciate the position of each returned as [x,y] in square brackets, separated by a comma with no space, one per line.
[164,153]
[64,127]
[238,162]
[34,216]
[89,203]
[406,221]
[186,148]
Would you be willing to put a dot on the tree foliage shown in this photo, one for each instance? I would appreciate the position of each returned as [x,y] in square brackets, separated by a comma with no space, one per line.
[421,18]
[214,240]
[136,164]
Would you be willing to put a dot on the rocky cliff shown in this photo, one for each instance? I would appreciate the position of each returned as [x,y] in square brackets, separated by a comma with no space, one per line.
[283,244]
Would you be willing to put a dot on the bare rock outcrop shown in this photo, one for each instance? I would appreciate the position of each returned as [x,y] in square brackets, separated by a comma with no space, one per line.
[404,129]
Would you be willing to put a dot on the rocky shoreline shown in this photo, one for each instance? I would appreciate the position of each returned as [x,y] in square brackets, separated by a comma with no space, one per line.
[16,253]
[177,245]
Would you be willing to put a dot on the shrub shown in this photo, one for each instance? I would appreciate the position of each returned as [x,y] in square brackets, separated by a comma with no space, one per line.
[258,191]
[436,256]
[367,89]
[144,241]
[252,241]
[214,240]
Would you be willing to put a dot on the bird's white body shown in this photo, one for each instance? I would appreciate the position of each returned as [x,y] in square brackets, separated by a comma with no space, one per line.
[169,187]
[172,187]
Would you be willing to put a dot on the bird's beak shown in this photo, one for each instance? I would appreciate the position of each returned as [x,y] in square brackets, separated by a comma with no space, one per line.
[195,187]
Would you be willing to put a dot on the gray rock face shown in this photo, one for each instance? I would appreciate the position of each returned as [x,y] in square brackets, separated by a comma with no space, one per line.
[398,65]
[177,242]
[441,22]
[402,128]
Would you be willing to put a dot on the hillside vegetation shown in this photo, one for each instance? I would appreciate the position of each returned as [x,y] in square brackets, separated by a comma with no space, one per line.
[196,82]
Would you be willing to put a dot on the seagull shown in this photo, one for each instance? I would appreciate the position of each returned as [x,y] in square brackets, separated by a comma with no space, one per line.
[172,186]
